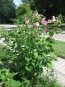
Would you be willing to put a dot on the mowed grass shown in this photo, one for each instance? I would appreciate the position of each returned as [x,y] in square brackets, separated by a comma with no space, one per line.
[59,48]
[2,31]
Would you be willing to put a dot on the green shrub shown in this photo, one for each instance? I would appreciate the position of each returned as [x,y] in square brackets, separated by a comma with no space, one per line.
[6,79]
[29,52]
[29,48]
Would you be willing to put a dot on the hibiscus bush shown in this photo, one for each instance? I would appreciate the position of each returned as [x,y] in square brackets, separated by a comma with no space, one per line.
[29,47]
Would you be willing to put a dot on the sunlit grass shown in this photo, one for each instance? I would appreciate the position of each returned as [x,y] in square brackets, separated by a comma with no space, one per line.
[59,48]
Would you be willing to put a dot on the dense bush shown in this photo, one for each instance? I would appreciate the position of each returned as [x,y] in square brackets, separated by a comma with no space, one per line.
[29,48]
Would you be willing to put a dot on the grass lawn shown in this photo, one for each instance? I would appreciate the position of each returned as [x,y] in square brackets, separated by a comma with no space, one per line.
[59,48]
[2,31]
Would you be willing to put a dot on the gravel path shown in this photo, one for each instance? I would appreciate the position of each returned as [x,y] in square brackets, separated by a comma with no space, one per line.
[8,25]
[59,70]
[60,36]
[59,65]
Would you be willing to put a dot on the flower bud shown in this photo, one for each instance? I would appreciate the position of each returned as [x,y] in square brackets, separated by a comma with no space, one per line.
[27,21]
[36,25]
[53,19]
[46,30]
[44,22]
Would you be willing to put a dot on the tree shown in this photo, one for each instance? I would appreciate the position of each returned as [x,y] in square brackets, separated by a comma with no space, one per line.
[23,9]
[7,10]
[47,7]
[22,12]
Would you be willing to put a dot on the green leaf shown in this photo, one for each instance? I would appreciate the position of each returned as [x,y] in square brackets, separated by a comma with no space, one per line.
[1,62]
[49,65]
[13,83]
[39,85]
[27,68]
[36,55]
[41,70]
[51,33]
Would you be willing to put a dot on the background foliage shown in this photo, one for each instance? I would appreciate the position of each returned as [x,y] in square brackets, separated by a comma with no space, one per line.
[47,7]
[22,11]
[7,11]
